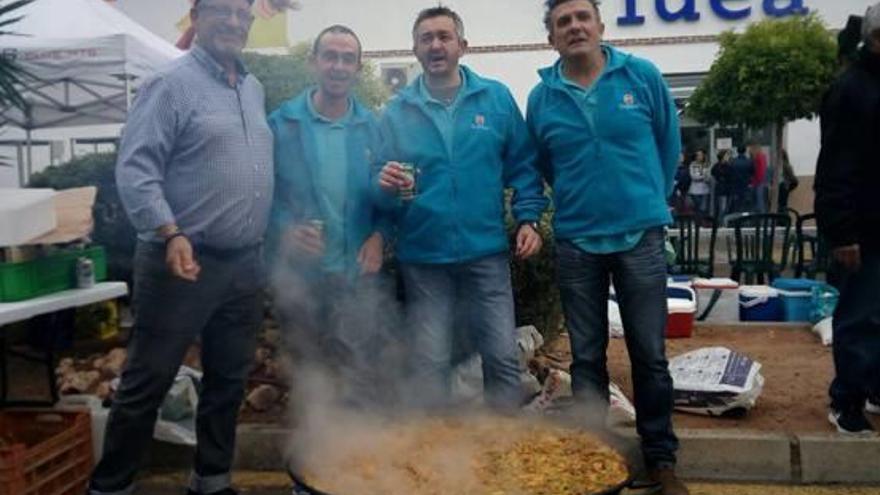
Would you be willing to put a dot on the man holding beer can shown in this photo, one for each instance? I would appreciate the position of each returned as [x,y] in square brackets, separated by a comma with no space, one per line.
[467,141]
[326,240]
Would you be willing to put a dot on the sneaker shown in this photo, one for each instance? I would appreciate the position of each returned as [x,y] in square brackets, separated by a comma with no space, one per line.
[873,405]
[851,422]
[668,481]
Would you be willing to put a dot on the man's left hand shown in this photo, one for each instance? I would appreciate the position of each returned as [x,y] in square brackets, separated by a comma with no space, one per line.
[371,254]
[528,241]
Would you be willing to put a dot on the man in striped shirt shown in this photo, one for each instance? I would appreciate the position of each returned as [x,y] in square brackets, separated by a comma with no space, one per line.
[195,174]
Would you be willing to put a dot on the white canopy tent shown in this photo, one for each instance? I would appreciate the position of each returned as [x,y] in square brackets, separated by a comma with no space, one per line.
[84,57]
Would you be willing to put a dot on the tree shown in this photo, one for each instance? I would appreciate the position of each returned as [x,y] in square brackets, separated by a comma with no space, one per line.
[773,73]
[10,72]
[285,76]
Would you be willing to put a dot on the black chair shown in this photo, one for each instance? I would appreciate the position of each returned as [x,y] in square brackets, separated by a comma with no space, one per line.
[818,260]
[685,237]
[756,237]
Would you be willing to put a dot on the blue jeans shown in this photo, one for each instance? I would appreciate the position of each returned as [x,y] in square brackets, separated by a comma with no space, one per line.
[639,277]
[857,335]
[225,308]
[481,292]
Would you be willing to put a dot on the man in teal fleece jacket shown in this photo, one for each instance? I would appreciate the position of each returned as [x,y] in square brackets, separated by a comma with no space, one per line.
[608,139]
[326,237]
[468,141]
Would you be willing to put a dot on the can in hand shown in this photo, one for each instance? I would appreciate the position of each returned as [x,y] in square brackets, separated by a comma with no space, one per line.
[408,193]
[85,273]
[317,225]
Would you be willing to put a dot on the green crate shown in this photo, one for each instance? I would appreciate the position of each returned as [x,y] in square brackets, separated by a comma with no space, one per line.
[53,273]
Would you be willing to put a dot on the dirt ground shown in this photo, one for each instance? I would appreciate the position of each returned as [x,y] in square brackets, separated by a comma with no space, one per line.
[796,367]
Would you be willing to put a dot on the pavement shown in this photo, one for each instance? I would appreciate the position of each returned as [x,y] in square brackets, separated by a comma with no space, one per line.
[277,483]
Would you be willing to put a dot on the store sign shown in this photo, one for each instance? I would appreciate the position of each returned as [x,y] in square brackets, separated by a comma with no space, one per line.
[731,10]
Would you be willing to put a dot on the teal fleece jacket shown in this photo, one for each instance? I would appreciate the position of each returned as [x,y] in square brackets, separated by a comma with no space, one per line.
[296,176]
[612,171]
[458,213]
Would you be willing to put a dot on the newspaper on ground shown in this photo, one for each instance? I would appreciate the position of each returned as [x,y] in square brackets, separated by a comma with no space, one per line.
[715,381]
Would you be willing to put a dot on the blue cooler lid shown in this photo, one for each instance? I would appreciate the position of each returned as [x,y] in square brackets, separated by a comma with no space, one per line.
[795,284]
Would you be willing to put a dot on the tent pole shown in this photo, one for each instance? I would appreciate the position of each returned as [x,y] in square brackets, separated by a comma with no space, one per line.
[30,155]
[21,165]
[127,92]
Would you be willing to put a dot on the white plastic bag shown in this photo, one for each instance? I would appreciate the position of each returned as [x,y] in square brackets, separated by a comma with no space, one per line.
[825,330]
[715,381]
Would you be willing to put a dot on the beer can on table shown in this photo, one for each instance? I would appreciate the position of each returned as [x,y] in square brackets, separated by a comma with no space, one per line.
[85,273]
[408,193]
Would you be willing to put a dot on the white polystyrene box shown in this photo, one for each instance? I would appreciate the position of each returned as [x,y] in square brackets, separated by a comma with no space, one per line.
[25,214]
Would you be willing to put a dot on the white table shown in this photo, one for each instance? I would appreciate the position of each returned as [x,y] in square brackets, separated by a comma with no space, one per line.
[25,310]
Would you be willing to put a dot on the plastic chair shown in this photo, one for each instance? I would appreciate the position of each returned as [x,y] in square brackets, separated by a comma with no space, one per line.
[756,236]
[685,237]
[818,261]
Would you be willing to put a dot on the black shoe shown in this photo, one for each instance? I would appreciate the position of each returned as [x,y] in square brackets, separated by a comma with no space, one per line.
[225,491]
[668,481]
[851,421]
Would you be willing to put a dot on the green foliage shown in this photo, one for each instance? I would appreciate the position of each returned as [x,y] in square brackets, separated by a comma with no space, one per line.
[774,72]
[112,227]
[10,72]
[285,76]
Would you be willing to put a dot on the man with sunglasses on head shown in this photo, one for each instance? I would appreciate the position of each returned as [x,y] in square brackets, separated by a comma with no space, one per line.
[195,174]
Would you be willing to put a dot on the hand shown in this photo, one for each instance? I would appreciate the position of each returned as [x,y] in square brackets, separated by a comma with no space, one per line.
[528,241]
[849,257]
[392,178]
[305,240]
[371,255]
[180,259]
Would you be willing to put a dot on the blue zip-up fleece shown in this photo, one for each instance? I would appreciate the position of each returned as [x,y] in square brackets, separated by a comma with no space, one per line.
[612,171]
[458,212]
[296,176]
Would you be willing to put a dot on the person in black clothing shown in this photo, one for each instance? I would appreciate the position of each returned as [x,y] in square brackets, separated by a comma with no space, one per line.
[722,172]
[848,215]
[743,168]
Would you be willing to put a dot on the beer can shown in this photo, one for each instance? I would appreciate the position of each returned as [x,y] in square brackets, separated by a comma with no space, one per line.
[408,193]
[317,225]
[85,273]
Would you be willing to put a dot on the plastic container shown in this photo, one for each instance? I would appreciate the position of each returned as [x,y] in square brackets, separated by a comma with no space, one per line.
[682,303]
[726,308]
[797,297]
[45,452]
[759,303]
[53,273]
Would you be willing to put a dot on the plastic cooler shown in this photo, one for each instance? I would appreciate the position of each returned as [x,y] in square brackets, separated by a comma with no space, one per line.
[682,302]
[759,303]
[797,297]
[725,293]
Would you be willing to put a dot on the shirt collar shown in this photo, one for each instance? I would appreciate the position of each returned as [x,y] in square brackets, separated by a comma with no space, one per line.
[313,112]
[425,93]
[214,68]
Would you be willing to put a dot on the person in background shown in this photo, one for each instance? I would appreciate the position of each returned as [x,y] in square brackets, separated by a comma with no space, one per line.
[609,142]
[760,180]
[682,185]
[465,142]
[700,190]
[326,237]
[724,176]
[848,216]
[195,174]
[788,184]
[743,169]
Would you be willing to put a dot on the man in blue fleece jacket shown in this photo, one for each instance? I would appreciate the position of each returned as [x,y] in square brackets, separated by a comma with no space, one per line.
[468,142]
[608,141]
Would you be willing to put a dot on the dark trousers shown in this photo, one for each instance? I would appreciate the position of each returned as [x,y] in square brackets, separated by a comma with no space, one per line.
[857,335]
[639,277]
[225,308]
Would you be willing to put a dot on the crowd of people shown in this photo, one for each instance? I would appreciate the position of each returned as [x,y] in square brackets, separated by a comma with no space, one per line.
[738,181]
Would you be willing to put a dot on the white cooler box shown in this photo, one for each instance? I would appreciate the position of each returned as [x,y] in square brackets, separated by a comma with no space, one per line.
[726,308]
[25,214]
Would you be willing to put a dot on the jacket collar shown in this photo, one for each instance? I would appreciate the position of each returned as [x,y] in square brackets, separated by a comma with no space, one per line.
[472,83]
[298,109]
[614,60]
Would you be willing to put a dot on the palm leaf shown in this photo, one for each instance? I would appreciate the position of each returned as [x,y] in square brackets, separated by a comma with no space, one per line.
[10,73]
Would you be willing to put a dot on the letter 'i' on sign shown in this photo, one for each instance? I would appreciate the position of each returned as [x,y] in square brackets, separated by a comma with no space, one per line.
[728,13]
[794,7]
[688,11]
[631,17]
